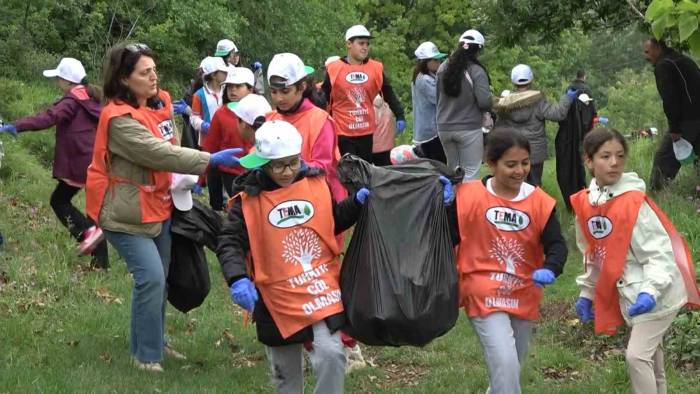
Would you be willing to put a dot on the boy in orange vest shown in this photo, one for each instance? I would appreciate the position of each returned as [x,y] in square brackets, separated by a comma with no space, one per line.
[638,270]
[350,85]
[279,256]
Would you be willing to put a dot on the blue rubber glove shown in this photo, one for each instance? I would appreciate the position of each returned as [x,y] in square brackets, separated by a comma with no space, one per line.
[257,65]
[645,303]
[225,158]
[205,127]
[180,107]
[244,294]
[543,277]
[584,309]
[361,195]
[400,126]
[10,129]
[196,189]
[603,120]
[448,194]
[572,93]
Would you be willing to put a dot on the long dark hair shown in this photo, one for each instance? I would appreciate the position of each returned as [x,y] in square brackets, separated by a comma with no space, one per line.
[456,66]
[121,62]
[421,68]
[93,91]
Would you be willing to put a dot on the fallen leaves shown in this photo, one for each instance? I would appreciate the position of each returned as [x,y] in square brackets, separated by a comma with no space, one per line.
[230,341]
[104,294]
[104,356]
[560,374]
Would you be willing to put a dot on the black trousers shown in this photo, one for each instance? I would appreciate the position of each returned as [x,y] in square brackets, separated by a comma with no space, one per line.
[75,221]
[358,146]
[535,176]
[217,182]
[382,159]
[665,166]
[432,149]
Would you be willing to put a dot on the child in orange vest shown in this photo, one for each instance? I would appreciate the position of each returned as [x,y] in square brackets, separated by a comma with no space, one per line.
[638,270]
[510,246]
[280,258]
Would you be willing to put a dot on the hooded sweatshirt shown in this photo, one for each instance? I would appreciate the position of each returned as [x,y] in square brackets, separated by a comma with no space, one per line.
[650,265]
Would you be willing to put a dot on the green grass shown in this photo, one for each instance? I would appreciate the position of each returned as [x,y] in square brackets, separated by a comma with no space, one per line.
[64,328]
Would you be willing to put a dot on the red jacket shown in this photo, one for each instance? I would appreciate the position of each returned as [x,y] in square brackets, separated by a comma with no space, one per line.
[223,134]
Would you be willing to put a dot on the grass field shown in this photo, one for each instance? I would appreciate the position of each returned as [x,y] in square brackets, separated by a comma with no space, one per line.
[64,328]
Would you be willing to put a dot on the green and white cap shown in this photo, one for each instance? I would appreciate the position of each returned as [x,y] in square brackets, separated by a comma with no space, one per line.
[289,68]
[275,139]
[428,50]
[224,47]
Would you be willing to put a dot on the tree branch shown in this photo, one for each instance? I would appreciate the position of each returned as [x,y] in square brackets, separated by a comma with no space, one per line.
[635,9]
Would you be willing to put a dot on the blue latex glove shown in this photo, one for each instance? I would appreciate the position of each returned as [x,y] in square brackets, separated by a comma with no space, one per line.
[543,277]
[244,294]
[196,189]
[205,127]
[645,303]
[572,93]
[256,65]
[400,126]
[584,309]
[361,195]
[448,194]
[225,158]
[603,120]
[10,129]
[180,107]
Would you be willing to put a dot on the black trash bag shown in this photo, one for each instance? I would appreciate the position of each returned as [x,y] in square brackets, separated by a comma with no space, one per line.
[399,281]
[188,276]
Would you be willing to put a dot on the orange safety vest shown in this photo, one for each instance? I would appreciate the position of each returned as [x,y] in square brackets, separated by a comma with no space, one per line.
[154,199]
[295,263]
[353,89]
[309,123]
[499,250]
[608,230]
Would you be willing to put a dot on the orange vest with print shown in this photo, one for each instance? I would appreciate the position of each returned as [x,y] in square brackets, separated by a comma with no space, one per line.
[309,123]
[295,263]
[353,89]
[154,199]
[499,250]
[608,230]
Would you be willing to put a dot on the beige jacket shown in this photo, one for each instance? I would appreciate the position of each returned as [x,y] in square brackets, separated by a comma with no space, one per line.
[134,153]
[650,265]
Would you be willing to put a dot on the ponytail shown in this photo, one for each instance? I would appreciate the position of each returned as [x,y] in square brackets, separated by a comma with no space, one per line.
[93,91]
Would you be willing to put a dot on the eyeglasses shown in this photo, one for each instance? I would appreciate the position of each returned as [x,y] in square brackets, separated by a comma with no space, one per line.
[278,168]
[135,48]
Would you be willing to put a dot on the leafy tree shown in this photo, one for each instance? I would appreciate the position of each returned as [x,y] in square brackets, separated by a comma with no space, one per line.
[677,21]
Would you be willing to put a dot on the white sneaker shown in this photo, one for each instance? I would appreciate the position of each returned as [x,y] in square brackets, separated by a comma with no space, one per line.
[150,367]
[354,359]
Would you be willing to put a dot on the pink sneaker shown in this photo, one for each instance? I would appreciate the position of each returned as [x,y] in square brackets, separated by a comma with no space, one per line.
[91,237]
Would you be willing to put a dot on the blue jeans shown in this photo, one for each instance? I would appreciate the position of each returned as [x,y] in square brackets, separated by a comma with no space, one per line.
[147,259]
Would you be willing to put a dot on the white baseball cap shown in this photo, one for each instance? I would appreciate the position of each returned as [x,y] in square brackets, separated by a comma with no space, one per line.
[212,64]
[330,60]
[224,47]
[472,36]
[585,98]
[428,50]
[251,107]
[288,67]
[181,190]
[240,75]
[69,69]
[357,31]
[275,139]
[521,74]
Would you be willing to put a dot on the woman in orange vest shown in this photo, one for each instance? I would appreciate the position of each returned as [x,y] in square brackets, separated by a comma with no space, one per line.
[128,188]
[510,246]
[638,270]
[279,256]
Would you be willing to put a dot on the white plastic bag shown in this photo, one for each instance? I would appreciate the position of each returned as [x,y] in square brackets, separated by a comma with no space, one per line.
[684,151]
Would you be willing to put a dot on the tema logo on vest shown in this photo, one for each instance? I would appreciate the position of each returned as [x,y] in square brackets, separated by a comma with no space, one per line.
[291,213]
[508,219]
[599,226]
[357,77]
[166,129]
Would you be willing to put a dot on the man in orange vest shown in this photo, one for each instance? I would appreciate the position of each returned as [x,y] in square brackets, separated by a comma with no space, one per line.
[350,85]
[279,256]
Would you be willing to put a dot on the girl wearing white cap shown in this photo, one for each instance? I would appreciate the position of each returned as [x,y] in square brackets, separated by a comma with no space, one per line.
[228,52]
[284,222]
[75,116]
[526,111]
[251,111]
[224,134]
[424,94]
[209,98]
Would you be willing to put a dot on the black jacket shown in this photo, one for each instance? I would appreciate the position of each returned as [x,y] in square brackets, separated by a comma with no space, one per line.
[387,93]
[678,81]
[555,249]
[234,246]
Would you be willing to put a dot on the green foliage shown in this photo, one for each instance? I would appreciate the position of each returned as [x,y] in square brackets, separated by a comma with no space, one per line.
[634,103]
[677,21]
[684,339]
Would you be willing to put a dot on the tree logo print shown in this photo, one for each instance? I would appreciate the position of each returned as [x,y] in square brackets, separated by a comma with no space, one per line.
[358,96]
[301,246]
[508,252]
[596,256]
